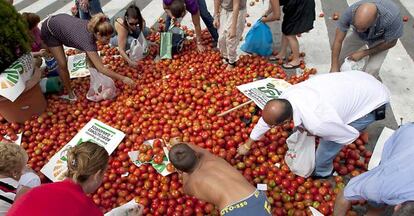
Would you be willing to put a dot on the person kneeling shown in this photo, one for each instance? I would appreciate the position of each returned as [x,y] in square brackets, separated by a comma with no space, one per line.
[212,179]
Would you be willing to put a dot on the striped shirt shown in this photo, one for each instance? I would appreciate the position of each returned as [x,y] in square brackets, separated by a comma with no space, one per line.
[387,27]
[7,193]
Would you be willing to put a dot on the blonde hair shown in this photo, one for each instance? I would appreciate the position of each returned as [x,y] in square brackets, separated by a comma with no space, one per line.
[99,24]
[85,160]
[12,158]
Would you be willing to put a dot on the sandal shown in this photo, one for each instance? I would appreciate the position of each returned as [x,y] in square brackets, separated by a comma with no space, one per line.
[66,97]
[225,60]
[290,66]
[274,58]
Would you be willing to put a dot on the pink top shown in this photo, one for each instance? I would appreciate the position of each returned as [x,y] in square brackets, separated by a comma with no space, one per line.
[55,199]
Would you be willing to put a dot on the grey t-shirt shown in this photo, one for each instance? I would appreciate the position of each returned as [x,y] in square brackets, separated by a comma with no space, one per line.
[388,25]
[228,5]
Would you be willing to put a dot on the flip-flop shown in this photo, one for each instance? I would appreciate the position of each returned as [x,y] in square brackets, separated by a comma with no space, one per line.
[225,60]
[66,97]
[289,66]
[274,58]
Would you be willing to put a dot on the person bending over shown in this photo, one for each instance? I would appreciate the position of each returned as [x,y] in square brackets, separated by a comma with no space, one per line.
[212,179]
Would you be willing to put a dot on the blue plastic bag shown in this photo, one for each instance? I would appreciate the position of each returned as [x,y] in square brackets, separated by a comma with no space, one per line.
[258,40]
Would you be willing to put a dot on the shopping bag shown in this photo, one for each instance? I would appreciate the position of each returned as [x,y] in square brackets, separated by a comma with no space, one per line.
[102,87]
[166,45]
[172,42]
[258,40]
[350,65]
[300,156]
[139,48]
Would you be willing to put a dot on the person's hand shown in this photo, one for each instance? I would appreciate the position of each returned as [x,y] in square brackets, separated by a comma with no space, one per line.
[84,5]
[356,56]
[243,149]
[232,33]
[132,63]
[216,23]
[43,52]
[200,48]
[128,81]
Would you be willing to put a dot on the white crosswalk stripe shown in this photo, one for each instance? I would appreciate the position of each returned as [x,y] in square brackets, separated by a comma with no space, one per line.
[37,6]
[396,71]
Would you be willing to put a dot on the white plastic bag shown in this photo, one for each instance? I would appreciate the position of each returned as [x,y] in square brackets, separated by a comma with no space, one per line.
[300,156]
[139,48]
[350,65]
[101,87]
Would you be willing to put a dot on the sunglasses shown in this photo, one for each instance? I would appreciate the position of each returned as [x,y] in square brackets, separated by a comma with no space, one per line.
[130,23]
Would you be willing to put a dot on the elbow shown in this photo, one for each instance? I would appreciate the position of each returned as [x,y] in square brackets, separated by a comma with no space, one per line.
[393,43]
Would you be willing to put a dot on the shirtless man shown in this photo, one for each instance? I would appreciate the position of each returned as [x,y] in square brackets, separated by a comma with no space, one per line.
[212,179]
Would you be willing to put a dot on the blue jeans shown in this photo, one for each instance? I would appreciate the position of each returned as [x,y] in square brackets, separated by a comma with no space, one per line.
[327,150]
[205,16]
[114,40]
[94,8]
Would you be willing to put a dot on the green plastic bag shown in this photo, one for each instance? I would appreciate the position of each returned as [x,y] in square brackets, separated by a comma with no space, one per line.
[166,45]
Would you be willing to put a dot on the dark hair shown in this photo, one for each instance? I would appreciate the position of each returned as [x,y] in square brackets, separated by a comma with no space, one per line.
[32,19]
[133,12]
[183,157]
[177,8]
[406,209]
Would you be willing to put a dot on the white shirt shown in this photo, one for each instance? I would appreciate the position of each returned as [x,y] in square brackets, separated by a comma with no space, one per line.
[325,104]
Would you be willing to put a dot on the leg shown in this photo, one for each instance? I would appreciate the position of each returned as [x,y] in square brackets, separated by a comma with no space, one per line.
[374,63]
[114,41]
[283,48]
[167,23]
[234,42]
[129,41]
[294,47]
[207,19]
[82,14]
[327,150]
[222,45]
[95,7]
[59,54]
[351,43]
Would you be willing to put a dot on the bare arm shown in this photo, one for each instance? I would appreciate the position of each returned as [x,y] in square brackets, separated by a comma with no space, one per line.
[122,41]
[380,47]
[341,205]
[336,49]
[274,8]
[97,61]
[197,27]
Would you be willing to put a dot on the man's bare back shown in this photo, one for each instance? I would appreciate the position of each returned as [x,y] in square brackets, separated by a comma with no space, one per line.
[216,181]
